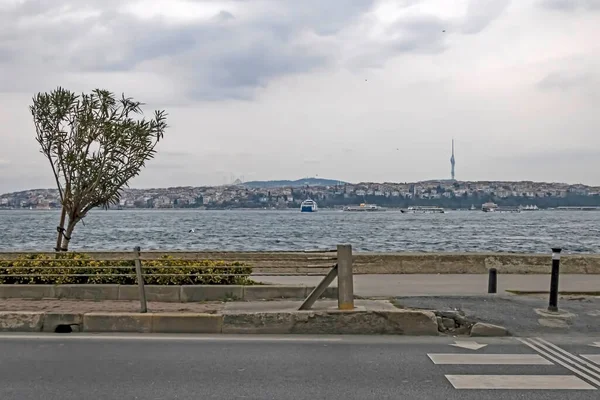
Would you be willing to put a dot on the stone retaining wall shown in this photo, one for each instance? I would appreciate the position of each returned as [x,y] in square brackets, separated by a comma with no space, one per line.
[167,294]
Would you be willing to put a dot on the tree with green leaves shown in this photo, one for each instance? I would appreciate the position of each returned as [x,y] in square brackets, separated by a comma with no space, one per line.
[95,143]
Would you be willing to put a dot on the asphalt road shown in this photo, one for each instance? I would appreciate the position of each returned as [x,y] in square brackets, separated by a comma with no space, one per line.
[75,366]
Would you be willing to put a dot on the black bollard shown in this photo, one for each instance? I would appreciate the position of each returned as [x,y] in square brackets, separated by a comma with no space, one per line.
[553,303]
[493,281]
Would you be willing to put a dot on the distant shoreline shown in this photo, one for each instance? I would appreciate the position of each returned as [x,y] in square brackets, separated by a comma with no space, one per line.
[327,209]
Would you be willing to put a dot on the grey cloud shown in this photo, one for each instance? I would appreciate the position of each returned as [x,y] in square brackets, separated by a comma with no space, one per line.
[571,5]
[152,165]
[554,156]
[168,153]
[480,13]
[237,57]
[329,17]
[427,33]
[24,180]
[171,159]
[220,58]
[223,57]
[224,16]
[569,159]
[8,55]
[252,66]
[422,34]
[565,81]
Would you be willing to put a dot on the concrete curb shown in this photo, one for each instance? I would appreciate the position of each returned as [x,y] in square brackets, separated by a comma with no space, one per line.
[21,321]
[400,322]
[52,321]
[167,294]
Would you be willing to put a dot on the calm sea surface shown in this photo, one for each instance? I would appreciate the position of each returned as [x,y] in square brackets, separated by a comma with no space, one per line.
[472,231]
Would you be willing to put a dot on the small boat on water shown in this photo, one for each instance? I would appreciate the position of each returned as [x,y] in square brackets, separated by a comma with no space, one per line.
[508,210]
[308,205]
[493,207]
[364,207]
[529,208]
[489,207]
[574,208]
[424,210]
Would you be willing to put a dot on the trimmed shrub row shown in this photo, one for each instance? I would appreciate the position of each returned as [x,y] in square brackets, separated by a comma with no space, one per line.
[78,268]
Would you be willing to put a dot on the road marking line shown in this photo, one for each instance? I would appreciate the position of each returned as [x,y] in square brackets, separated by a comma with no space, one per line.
[522,382]
[149,337]
[573,356]
[489,359]
[592,357]
[543,350]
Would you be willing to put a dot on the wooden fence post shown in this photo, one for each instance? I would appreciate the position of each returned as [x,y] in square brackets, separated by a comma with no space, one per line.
[345,278]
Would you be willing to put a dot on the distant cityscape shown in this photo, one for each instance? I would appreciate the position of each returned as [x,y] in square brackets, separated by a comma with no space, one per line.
[330,193]
[333,194]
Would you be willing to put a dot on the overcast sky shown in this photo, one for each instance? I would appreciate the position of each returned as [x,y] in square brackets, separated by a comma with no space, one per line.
[356,90]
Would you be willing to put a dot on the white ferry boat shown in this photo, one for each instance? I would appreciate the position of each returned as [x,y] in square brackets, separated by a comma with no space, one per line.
[309,205]
[493,207]
[424,210]
[489,207]
[364,207]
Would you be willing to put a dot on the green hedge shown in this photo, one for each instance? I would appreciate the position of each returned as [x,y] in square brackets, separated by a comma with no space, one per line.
[33,264]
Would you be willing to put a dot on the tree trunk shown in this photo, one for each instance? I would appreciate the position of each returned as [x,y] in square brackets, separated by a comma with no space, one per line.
[59,232]
[68,233]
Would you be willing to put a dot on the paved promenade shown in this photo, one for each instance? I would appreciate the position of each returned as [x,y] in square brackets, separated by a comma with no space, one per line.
[445,284]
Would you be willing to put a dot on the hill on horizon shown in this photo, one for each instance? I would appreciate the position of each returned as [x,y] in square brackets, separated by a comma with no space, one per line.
[296,183]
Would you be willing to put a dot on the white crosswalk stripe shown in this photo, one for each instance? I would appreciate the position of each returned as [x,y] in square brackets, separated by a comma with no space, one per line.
[522,382]
[572,356]
[593,358]
[571,365]
[586,368]
[489,359]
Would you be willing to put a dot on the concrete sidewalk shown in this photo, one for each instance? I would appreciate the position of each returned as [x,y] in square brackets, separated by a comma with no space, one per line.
[521,315]
[381,285]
